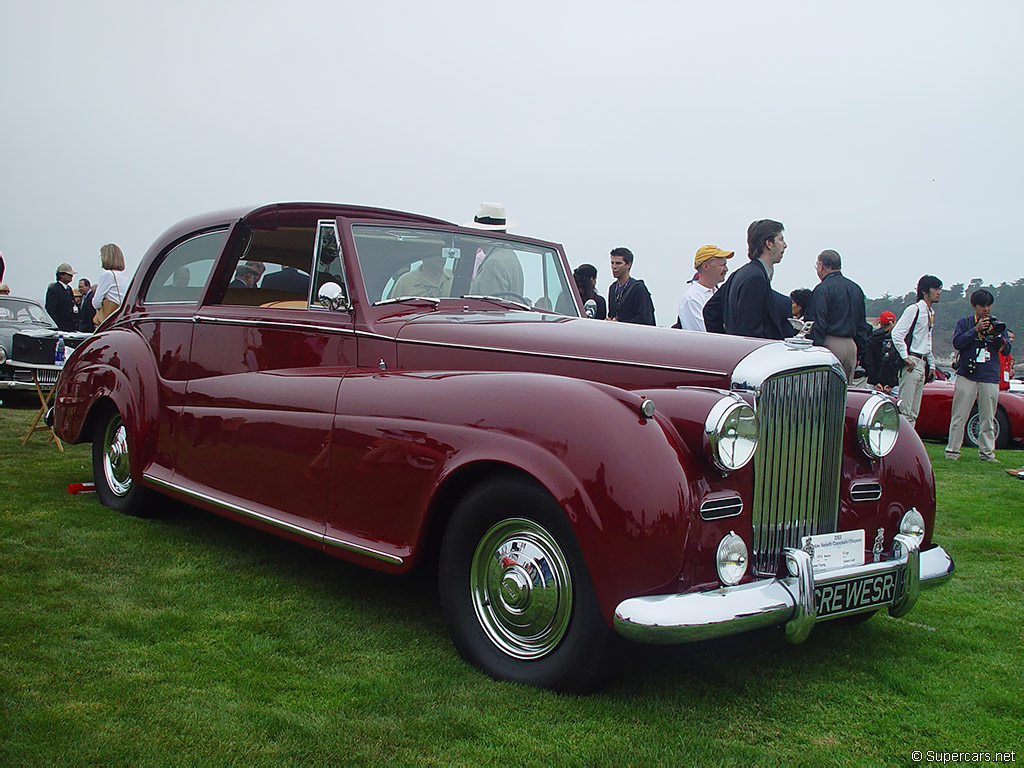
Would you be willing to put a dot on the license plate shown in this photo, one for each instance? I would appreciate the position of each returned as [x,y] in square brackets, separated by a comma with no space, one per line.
[830,551]
[861,592]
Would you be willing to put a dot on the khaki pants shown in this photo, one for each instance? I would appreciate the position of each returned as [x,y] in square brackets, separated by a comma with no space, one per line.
[845,350]
[964,395]
[911,389]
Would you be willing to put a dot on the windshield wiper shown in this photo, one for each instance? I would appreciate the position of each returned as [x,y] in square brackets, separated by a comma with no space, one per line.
[498,299]
[396,299]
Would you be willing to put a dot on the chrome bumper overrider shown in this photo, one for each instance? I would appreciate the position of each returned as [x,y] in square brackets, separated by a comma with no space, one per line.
[789,601]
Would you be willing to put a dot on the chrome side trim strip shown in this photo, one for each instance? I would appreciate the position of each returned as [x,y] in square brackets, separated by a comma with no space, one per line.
[561,356]
[329,541]
[276,324]
[451,345]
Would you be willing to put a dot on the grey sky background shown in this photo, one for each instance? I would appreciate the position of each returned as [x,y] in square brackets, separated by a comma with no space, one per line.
[889,131]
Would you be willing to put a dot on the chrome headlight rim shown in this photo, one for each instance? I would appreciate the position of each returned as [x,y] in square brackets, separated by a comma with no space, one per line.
[3,354]
[912,525]
[731,559]
[722,414]
[878,426]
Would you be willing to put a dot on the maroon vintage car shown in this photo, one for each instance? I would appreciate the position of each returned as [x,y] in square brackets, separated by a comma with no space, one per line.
[385,386]
[937,408]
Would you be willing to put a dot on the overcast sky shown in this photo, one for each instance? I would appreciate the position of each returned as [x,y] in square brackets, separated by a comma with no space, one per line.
[889,131]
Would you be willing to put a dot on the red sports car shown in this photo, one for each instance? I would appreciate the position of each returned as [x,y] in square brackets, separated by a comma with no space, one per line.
[937,408]
[392,389]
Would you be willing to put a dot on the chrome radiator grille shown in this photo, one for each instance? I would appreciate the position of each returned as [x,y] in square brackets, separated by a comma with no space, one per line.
[798,461]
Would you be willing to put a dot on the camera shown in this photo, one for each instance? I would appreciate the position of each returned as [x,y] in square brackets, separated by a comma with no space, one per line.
[995,328]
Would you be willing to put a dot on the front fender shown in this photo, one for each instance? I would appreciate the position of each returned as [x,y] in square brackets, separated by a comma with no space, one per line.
[115,366]
[626,482]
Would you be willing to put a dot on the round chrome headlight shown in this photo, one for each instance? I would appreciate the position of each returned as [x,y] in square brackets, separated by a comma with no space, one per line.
[878,426]
[3,354]
[731,433]
[912,525]
[731,559]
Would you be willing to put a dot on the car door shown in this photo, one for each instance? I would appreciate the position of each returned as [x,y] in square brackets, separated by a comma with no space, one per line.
[266,364]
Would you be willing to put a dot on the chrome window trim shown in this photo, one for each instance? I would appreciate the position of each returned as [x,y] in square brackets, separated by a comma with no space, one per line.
[330,541]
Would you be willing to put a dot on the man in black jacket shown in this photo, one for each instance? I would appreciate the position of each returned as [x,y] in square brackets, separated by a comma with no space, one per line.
[745,305]
[60,300]
[837,309]
[629,301]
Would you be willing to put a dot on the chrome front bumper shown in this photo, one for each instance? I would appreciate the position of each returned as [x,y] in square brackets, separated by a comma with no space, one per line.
[789,601]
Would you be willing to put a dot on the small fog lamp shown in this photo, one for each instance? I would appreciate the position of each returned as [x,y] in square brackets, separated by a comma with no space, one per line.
[912,525]
[731,559]
[878,426]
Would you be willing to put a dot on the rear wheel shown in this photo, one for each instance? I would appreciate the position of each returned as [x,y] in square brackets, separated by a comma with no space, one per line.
[515,591]
[112,471]
[972,430]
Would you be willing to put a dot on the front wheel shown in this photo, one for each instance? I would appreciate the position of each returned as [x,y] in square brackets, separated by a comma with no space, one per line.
[515,591]
[111,468]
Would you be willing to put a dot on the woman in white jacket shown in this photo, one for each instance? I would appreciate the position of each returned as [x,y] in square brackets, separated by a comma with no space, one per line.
[110,287]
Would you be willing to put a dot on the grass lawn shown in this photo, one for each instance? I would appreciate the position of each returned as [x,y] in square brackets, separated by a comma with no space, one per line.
[191,640]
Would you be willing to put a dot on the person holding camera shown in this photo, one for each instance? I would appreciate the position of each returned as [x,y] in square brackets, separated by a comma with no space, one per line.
[978,340]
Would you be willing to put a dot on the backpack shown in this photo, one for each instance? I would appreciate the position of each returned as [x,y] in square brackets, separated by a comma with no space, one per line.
[890,357]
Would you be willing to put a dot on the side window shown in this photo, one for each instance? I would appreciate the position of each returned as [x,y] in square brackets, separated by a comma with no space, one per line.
[330,268]
[272,269]
[180,276]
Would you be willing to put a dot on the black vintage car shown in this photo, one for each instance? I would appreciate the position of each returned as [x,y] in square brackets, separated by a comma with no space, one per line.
[29,335]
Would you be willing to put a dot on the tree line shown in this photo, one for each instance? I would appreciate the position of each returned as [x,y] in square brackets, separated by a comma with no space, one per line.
[954,304]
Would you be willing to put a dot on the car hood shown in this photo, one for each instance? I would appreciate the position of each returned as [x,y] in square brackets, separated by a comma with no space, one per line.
[9,328]
[567,342]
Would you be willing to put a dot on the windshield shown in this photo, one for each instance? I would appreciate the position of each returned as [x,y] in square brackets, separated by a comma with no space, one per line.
[405,263]
[16,311]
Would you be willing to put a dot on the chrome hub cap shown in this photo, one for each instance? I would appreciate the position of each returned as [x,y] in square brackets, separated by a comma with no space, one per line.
[116,468]
[521,588]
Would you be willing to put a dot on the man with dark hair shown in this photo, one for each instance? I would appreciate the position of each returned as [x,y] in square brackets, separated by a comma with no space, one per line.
[837,309]
[745,305]
[86,312]
[912,337]
[979,342]
[60,300]
[629,301]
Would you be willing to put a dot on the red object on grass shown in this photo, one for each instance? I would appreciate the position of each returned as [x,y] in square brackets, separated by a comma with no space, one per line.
[81,487]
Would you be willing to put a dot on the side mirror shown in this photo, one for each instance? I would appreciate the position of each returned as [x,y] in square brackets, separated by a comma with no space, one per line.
[332,296]
[590,308]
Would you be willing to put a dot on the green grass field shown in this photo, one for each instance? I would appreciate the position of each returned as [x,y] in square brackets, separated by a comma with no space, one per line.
[191,640]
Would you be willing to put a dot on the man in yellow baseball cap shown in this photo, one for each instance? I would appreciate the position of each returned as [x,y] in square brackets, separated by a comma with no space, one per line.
[711,266]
